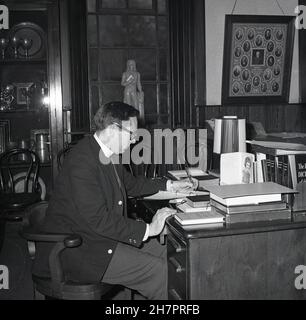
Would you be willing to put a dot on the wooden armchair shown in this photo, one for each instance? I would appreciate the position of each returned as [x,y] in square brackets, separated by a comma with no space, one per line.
[57,286]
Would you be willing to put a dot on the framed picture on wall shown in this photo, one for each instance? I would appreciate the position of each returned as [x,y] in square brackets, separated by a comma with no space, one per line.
[257,59]
[23,93]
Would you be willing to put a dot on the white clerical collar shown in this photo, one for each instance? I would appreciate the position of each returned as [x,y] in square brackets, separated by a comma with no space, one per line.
[106,150]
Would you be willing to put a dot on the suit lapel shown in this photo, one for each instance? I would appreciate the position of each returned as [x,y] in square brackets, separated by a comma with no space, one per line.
[108,169]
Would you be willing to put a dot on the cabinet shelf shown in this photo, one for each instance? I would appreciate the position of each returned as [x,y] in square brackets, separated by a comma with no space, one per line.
[22,61]
[19,110]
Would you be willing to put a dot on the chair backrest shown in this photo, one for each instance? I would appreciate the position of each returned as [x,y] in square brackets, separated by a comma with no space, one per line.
[9,163]
[62,154]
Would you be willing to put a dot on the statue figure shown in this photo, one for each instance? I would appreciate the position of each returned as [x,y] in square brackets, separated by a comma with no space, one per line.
[133,94]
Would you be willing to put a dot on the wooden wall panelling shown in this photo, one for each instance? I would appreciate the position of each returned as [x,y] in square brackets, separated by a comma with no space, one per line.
[66,63]
[239,111]
[55,89]
[256,112]
[182,62]
[287,117]
[174,65]
[199,53]
[274,119]
[292,118]
[78,55]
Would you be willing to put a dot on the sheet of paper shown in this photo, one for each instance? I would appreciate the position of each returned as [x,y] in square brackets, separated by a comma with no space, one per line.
[167,195]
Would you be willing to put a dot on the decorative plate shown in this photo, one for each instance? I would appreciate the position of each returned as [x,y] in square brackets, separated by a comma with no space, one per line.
[32,32]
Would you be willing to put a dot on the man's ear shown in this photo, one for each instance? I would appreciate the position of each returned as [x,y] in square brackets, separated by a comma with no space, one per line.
[109,131]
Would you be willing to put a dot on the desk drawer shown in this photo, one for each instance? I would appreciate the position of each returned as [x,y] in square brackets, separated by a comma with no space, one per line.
[176,250]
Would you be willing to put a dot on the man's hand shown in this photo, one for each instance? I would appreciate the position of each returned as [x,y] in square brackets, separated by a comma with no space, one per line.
[158,221]
[183,185]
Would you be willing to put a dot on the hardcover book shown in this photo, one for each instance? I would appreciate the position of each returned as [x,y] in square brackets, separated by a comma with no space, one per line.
[255,216]
[236,167]
[199,218]
[185,207]
[268,206]
[246,194]
[198,201]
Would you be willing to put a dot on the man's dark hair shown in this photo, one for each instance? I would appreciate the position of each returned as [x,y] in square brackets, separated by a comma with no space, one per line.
[115,111]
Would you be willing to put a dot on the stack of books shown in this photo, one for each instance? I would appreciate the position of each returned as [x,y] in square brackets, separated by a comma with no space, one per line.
[197,203]
[197,210]
[250,202]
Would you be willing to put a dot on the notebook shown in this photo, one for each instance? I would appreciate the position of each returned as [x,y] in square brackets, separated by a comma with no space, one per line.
[185,207]
[198,201]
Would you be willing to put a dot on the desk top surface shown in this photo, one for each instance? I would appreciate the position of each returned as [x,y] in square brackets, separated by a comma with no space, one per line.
[220,229]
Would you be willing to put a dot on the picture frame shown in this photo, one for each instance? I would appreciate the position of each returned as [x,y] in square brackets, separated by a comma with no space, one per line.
[21,89]
[257,59]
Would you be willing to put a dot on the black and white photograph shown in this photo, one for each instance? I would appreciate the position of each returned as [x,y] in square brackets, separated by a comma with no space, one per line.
[152,152]
[270,37]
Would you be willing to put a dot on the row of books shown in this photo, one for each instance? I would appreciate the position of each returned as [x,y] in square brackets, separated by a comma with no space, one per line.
[236,203]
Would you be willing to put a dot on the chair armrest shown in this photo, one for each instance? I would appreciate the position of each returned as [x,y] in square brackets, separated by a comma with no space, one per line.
[69,240]
[61,242]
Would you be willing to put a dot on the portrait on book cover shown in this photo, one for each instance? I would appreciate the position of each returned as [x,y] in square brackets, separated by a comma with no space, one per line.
[247,170]
[257,58]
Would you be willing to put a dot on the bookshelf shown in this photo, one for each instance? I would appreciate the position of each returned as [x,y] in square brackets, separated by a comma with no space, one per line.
[285,163]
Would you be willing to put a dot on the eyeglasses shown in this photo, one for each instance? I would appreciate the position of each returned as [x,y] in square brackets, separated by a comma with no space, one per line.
[133,135]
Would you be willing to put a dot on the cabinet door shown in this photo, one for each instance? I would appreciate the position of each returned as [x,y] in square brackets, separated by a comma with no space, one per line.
[30,80]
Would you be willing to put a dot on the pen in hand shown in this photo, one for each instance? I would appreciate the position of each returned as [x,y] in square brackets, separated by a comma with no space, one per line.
[188,174]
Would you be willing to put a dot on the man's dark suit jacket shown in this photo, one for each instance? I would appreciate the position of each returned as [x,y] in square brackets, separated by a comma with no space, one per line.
[88,200]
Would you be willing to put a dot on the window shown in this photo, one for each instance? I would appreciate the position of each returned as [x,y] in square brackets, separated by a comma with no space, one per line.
[118,30]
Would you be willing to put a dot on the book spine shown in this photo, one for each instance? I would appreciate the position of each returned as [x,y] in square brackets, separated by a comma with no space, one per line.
[201,204]
[259,216]
[252,208]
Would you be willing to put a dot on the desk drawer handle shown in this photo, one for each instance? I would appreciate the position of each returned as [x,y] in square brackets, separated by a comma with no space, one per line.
[175,295]
[176,264]
[178,248]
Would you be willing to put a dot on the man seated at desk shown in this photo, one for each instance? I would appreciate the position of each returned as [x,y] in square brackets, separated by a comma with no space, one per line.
[90,199]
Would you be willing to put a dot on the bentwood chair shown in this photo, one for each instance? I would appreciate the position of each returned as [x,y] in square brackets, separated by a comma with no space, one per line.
[57,286]
[13,199]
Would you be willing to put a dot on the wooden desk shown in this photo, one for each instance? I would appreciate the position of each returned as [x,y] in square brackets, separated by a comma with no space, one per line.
[245,261]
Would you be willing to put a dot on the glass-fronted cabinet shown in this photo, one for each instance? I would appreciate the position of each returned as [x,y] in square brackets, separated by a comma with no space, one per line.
[30,84]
